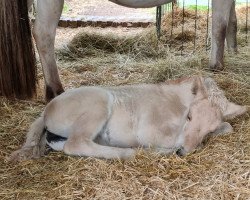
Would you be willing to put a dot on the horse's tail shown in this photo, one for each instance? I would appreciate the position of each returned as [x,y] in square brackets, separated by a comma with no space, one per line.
[17,56]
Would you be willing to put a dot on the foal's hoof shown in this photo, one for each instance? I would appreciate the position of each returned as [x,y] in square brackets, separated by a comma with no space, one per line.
[181,152]
[130,154]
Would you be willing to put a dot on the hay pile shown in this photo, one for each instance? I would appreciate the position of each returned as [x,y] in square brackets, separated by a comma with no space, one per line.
[91,43]
[182,27]
[219,170]
[242,15]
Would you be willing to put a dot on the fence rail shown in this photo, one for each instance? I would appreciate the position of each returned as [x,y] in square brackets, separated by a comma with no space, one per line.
[171,7]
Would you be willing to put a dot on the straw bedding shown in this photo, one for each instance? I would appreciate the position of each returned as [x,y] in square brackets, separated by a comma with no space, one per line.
[220,169]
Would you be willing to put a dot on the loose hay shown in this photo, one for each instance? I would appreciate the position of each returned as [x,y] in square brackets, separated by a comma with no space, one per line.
[219,170]
[91,43]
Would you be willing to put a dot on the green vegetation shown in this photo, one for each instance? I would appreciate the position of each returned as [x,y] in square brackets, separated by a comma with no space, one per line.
[193,7]
[65,8]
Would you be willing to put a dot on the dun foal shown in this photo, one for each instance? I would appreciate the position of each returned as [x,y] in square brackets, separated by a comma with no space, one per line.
[110,122]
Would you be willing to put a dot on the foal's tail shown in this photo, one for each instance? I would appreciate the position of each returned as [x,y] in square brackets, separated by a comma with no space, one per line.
[34,146]
[17,57]
[36,133]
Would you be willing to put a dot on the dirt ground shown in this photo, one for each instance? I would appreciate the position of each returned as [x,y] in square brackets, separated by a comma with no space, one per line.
[106,8]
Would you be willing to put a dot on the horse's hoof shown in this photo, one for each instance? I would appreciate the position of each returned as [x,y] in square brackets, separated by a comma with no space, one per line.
[52,93]
[216,67]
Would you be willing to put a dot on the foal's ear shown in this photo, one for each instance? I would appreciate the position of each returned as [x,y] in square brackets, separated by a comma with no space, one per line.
[233,110]
[224,128]
[198,88]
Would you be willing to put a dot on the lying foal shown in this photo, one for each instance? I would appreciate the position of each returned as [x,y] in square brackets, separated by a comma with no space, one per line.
[112,122]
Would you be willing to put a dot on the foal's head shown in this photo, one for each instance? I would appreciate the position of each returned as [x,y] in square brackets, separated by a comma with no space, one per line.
[204,117]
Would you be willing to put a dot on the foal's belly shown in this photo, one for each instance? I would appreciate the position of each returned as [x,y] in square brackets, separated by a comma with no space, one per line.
[121,130]
[127,130]
[146,137]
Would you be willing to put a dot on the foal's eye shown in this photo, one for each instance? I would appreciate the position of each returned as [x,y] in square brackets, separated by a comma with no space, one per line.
[189,118]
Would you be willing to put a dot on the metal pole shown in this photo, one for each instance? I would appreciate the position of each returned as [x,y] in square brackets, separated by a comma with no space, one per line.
[182,30]
[208,9]
[172,25]
[158,21]
[195,25]
[247,21]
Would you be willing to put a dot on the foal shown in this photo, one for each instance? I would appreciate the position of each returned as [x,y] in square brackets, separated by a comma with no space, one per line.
[112,122]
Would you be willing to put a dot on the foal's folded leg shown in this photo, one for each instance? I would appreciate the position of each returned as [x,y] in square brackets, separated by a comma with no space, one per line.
[85,147]
[165,151]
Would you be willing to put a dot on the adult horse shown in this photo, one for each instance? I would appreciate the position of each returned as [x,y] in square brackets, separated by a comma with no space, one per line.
[224,25]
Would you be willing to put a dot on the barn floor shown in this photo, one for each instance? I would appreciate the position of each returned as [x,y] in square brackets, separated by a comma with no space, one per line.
[219,170]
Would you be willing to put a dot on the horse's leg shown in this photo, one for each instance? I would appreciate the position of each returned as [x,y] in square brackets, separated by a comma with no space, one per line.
[231,34]
[220,18]
[29,3]
[48,15]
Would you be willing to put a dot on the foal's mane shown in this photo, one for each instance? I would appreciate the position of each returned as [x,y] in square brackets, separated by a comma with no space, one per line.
[197,82]
[179,80]
[214,94]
